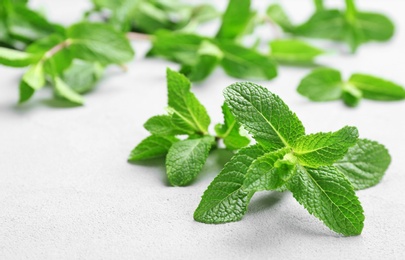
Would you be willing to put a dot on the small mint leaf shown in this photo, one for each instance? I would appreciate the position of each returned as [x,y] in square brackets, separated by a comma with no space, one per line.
[152,147]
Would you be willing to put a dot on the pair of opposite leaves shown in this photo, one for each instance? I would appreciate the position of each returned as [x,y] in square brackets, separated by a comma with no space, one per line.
[321,170]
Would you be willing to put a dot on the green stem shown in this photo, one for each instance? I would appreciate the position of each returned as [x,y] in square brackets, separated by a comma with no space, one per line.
[319,5]
[351,9]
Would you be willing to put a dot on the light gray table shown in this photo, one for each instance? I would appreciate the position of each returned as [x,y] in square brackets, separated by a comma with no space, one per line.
[67,192]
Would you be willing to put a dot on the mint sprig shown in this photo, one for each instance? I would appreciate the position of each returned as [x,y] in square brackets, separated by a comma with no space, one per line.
[182,136]
[321,170]
[326,84]
[351,26]
[72,61]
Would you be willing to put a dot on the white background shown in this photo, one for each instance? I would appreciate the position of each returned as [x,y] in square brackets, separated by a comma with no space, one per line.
[67,192]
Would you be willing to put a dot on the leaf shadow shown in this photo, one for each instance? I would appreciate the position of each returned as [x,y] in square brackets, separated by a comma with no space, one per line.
[158,164]
[59,103]
[215,163]
[265,202]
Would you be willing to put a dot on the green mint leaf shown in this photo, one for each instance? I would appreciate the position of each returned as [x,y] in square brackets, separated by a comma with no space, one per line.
[225,200]
[322,84]
[264,115]
[35,76]
[323,149]
[209,56]
[15,58]
[176,46]
[235,19]
[26,92]
[82,76]
[99,42]
[241,62]
[327,24]
[329,196]
[186,158]
[277,14]
[374,27]
[54,53]
[229,131]
[27,25]
[152,147]
[188,113]
[377,88]
[364,164]
[264,175]
[162,125]
[64,91]
[294,51]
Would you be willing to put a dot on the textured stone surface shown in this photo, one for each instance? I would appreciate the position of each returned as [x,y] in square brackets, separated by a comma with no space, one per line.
[67,192]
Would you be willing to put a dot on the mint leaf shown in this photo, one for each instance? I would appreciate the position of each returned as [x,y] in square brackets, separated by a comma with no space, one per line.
[26,92]
[294,51]
[188,113]
[186,158]
[321,84]
[209,56]
[376,88]
[277,14]
[329,196]
[364,164]
[263,174]
[176,46]
[15,58]
[161,125]
[66,92]
[35,76]
[225,200]
[152,147]
[235,19]
[99,42]
[323,149]
[264,115]
[244,63]
[229,131]
[82,76]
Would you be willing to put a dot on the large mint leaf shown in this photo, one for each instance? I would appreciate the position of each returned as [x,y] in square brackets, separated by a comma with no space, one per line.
[329,196]
[66,92]
[264,115]
[99,42]
[364,164]
[225,200]
[263,174]
[323,149]
[322,84]
[82,76]
[235,19]
[229,131]
[188,113]
[186,158]
[243,63]
[152,147]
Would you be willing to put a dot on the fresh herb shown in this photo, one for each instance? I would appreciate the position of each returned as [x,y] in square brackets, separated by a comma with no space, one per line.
[351,26]
[147,16]
[321,170]
[200,55]
[325,84]
[186,117]
[72,61]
